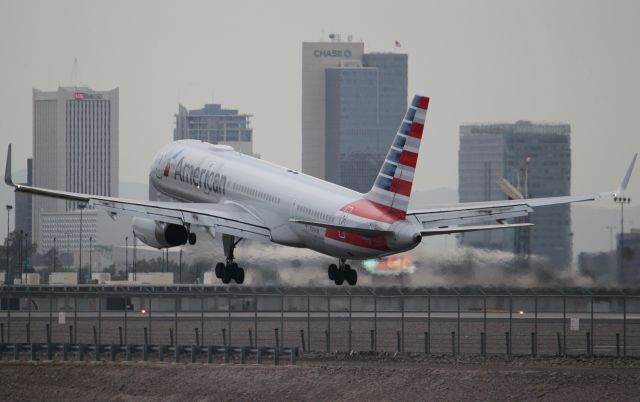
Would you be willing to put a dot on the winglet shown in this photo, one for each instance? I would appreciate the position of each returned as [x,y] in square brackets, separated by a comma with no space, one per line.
[7,170]
[625,181]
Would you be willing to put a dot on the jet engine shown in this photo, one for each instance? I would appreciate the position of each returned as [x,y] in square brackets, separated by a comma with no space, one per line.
[159,234]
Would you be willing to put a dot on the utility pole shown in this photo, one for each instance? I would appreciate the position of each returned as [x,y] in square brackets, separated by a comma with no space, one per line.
[180,266]
[8,277]
[621,201]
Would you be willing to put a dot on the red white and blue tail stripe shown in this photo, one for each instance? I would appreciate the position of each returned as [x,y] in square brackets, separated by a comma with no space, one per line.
[392,188]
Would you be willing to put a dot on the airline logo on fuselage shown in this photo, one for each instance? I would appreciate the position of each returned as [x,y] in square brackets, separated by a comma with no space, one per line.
[200,177]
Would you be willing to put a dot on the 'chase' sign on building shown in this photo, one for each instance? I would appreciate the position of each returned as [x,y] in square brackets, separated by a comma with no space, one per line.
[332,53]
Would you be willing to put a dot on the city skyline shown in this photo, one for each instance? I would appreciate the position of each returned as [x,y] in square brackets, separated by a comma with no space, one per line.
[558,62]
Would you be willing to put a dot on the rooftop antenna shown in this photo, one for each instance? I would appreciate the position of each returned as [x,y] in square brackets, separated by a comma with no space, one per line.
[75,74]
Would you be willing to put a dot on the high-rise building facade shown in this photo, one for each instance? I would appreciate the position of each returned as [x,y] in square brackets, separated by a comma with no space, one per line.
[352,105]
[628,258]
[316,58]
[75,146]
[489,152]
[216,125]
[23,203]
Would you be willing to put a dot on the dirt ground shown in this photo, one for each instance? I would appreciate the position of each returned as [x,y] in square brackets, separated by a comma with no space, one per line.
[329,377]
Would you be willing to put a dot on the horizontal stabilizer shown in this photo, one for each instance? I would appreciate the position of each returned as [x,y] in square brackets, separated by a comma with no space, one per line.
[360,231]
[462,229]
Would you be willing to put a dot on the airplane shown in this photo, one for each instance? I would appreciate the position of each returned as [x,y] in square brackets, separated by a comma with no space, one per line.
[240,197]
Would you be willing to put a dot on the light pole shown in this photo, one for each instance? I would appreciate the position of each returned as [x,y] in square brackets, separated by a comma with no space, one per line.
[6,250]
[90,257]
[55,254]
[135,249]
[27,251]
[126,256]
[621,201]
[81,206]
[18,252]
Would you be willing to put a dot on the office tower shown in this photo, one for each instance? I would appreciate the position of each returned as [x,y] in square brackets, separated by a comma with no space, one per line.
[364,107]
[536,158]
[216,125]
[352,106]
[75,147]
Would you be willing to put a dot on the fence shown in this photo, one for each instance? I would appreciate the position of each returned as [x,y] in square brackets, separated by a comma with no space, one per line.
[425,320]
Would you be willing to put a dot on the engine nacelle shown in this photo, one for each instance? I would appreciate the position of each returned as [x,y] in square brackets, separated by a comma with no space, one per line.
[159,234]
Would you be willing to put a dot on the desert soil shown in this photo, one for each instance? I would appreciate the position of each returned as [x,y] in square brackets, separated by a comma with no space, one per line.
[329,377]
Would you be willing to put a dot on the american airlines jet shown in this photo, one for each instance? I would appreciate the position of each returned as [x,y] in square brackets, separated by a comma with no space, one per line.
[239,197]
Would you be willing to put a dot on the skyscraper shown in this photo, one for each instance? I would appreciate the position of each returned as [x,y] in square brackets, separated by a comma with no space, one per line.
[216,125]
[491,151]
[352,105]
[75,146]
[316,58]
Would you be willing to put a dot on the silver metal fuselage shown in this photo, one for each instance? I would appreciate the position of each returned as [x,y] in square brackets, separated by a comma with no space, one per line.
[199,172]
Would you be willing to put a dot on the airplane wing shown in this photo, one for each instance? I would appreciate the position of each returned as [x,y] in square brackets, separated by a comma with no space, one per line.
[228,218]
[452,218]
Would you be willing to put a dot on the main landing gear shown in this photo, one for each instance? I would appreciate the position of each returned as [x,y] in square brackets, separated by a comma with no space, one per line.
[343,271]
[230,270]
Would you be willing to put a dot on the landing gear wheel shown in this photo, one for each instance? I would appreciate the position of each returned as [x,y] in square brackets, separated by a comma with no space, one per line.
[192,238]
[338,277]
[219,270]
[226,275]
[351,275]
[332,271]
[239,276]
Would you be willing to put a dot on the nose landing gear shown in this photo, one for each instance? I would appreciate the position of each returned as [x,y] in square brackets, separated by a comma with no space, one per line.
[343,271]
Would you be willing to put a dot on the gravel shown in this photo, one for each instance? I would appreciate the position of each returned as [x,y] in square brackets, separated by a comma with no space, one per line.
[318,376]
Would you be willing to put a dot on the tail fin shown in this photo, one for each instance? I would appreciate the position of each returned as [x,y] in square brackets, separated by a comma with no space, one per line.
[392,187]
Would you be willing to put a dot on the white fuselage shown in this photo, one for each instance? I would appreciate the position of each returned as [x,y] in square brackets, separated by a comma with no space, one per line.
[195,171]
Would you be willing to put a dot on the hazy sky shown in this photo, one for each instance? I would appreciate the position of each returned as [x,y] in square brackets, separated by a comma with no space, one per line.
[479,61]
